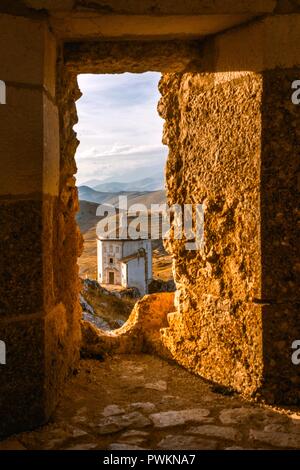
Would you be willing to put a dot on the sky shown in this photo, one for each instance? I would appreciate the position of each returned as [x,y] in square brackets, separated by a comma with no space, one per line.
[119,128]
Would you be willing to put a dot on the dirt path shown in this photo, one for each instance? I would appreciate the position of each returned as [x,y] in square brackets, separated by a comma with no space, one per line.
[141,401]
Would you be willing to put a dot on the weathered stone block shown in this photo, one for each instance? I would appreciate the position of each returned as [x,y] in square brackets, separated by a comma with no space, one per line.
[233,140]
[213,127]
[280,195]
[29,136]
[169,419]
[24,351]
[150,7]
[21,408]
[21,136]
[21,268]
[280,328]
[41,352]
[223,432]
[61,342]
[27,51]
[257,46]
[134,56]
[22,377]
[51,158]
[50,59]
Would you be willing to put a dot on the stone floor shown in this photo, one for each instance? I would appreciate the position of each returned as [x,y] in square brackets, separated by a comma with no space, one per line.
[142,402]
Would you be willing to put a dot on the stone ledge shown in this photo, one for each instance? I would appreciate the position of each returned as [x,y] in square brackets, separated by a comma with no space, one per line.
[132,56]
[141,332]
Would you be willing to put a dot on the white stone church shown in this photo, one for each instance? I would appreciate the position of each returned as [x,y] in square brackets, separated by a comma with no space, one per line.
[127,263]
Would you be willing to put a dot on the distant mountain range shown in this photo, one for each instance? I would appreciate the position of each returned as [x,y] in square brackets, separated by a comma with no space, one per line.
[91,195]
[151,183]
[134,197]
[108,194]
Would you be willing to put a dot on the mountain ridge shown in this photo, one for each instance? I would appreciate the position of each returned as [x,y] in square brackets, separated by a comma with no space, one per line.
[149,183]
[134,197]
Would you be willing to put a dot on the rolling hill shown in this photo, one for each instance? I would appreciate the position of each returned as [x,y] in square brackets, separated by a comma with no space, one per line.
[86,217]
[86,193]
[134,197]
[145,198]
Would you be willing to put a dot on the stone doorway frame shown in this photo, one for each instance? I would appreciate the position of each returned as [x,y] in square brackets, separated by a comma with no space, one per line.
[177,58]
[98,57]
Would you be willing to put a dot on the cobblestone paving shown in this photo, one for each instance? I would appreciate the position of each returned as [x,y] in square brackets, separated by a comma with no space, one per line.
[142,402]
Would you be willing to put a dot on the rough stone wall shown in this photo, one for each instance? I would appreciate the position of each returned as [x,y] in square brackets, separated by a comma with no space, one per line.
[234,147]
[213,129]
[39,309]
[224,153]
[141,332]
[152,7]
[68,242]
[280,234]
[28,189]
[132,56]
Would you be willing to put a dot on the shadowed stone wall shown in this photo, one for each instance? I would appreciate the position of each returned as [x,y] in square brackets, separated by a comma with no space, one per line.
[233,137]
[213,129]
[39,310]
[280,233]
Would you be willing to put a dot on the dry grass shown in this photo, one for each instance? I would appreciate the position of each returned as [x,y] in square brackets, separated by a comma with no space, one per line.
[88,260]
[162,265]
[109,307]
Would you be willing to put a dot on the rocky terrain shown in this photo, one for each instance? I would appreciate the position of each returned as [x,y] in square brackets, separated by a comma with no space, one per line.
[106,309]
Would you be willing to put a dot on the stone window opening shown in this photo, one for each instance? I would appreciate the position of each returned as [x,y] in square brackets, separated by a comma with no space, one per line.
[193,96]
[128,263]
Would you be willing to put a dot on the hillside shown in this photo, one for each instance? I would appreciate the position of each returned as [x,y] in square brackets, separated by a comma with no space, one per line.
[103,307]
[147,198]
[134,197]
[86,217]
[85,193]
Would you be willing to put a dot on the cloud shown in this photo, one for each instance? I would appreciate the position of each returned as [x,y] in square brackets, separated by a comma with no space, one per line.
[119,128]
[117,150]
[121,163]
